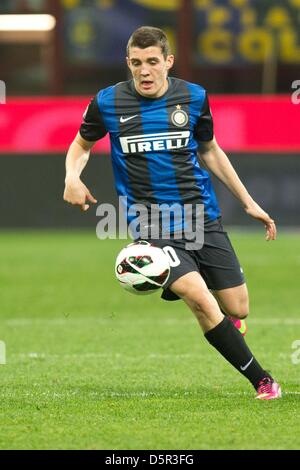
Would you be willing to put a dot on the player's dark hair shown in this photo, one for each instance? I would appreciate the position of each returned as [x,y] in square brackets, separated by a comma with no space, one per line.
[147,36]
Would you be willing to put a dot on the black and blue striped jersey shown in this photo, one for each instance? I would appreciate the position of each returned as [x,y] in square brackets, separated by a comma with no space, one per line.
[154,143]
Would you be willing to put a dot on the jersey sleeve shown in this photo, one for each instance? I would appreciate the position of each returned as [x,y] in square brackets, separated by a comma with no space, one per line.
[204,130]
[92,127]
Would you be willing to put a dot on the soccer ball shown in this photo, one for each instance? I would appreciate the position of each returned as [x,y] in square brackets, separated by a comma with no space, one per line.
[142,268]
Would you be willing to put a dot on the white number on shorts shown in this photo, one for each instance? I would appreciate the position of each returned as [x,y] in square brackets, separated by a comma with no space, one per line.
[173,258]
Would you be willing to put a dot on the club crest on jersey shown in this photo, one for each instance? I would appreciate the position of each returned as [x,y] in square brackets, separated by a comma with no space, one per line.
[179,117]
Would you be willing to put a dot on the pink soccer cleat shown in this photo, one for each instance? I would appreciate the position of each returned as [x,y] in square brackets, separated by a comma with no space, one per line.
[240,325]
[268,389]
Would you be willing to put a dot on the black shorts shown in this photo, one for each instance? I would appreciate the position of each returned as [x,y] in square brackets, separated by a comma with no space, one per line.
[216,261]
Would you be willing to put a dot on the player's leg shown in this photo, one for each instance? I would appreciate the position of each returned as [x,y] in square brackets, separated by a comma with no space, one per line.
[221,333]
[234,302]
[192,289]
[222,273]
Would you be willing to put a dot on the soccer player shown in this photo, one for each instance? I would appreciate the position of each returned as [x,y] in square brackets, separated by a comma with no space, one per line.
[158,126]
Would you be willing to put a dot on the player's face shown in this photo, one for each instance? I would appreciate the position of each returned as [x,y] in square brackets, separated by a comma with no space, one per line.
[149,70]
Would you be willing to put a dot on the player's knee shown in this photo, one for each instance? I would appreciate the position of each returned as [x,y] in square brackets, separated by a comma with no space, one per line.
[243,313]
[242,309]
[237,306]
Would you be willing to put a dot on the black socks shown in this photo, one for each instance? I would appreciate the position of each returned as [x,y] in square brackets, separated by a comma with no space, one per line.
[231,344]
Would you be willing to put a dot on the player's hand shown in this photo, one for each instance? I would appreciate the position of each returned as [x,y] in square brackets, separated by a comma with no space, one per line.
[77,194]
[255,211]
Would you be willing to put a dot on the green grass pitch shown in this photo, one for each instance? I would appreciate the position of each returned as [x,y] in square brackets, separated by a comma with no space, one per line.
[90,366]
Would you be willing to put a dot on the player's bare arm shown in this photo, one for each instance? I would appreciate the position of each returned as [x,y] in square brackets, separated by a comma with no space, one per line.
[215,159]
[76,193]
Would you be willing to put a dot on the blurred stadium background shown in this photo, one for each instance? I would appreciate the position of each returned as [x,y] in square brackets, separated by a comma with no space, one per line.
[54,285]
[245,52]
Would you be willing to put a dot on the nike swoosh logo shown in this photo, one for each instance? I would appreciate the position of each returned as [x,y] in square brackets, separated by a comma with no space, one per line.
[247,365]
[123,119]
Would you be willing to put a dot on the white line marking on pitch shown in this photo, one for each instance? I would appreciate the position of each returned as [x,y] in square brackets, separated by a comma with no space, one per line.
[135,357]
[141,394]
[119,321]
